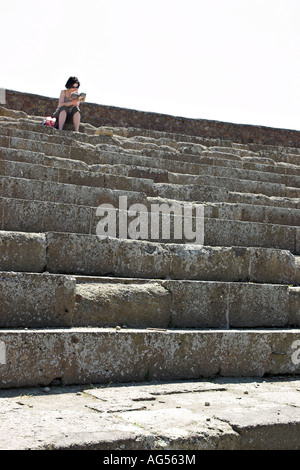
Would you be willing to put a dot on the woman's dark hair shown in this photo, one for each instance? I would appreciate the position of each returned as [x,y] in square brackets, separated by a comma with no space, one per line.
[71,82]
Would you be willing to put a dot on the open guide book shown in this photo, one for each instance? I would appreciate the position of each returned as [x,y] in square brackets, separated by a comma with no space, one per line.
[78,96]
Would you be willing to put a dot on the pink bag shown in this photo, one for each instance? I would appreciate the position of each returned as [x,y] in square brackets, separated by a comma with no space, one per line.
[49,121]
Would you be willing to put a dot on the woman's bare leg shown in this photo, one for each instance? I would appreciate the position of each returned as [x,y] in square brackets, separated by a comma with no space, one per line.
[76,121]
[62,119]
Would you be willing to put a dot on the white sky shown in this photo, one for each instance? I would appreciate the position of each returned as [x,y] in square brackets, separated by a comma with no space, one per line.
[226,60]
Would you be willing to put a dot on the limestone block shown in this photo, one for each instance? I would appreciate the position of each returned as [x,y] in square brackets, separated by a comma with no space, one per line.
[297,267]
[26,144]
[42,216]
[258,305]
[80,355]
[209,263]
[284,352]
[20,188]
[95,355]
[133,305]
[156,174]
[294,306]
[182,353]
[85,154]
[22,251]
[22,215]
[197,304]
[272,265]
[129,183]
[4,141]
[80,254]
[21,156]
[83,178]
[12,113]
[36,300]
[29,170]
[244,353]
[104,131]
[297,242]
[142,259]
[32,358]
[282,216]
[221,232]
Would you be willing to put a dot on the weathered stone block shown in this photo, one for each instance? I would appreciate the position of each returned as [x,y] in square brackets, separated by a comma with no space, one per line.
[43,216]
[36,300]
[80,254]
[142,259]
[132,305]
[258,305]
[209,263]
[271,265]
[22,251]
[220,232]
[197,304]
[294,306]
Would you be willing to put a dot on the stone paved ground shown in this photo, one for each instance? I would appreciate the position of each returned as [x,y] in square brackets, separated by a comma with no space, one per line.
[218,414]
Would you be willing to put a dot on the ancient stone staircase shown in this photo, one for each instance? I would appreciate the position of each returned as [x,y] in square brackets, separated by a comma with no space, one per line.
[79,308]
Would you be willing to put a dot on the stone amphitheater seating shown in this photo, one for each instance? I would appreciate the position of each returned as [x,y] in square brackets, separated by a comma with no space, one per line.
[77,309]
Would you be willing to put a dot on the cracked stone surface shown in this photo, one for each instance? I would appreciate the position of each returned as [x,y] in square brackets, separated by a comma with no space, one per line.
[227,413]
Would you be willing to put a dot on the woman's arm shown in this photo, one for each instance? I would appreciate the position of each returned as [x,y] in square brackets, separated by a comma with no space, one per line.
[61,101]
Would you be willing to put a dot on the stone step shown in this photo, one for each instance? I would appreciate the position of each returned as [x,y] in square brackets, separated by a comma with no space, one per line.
[245,168]
[197,162]
[207,193]
[136,142]
[134,172]
[151,225]
[92,154]
[78,213]
[77,177]
[134,136]
[242,211]
[32,300]
[261,199]
[128,183]
[137,183]
[159,170]
[279,155]
[226,145]
[39,158]
[15,163]
[88,255]
[204,158]
[88,152]
[96,355]
[173,140]
[39,190]
[185,304]
[233,184]
[230,307]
